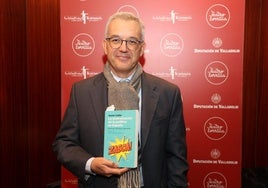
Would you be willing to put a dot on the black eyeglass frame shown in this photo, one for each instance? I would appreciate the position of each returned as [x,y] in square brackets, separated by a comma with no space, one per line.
[128,41]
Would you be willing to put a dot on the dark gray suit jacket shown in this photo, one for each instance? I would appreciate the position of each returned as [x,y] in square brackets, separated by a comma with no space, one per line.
[80,137]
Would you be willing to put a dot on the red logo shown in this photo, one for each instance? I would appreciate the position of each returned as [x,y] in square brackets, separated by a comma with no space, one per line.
[216,72]
[215,153]
[215,180]
[129,8]
[218,16]
[83,45]
[171,45]
[215,128]
[216,98]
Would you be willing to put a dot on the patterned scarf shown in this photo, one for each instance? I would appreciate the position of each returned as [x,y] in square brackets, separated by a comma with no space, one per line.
[124,96]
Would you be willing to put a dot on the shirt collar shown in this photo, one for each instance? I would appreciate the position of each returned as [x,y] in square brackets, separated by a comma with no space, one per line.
[118,79]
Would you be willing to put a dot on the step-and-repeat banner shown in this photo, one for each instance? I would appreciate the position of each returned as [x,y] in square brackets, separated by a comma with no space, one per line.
[195,44]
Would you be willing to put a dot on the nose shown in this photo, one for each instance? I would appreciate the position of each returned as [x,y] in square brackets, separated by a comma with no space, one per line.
[123,46]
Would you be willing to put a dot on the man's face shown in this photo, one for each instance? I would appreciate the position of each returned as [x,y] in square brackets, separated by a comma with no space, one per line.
[123,59]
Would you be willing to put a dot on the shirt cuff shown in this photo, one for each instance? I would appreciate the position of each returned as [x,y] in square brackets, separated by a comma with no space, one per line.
[88,166]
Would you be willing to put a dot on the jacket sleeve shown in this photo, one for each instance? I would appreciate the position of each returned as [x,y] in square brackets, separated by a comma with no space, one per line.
[177,165]
[66,144]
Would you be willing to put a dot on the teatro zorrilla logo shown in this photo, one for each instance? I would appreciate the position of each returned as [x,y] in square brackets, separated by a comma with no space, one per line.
[215,128]
[82,18]
[129,8]
[83,45]
[216,73]
[215,180]
[171,45]
[218,16]
[173,17]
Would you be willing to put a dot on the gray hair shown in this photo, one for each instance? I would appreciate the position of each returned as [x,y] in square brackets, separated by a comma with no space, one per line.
[127,16]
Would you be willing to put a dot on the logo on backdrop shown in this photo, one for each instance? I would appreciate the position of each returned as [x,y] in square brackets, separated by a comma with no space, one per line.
[215,153]
[216,98]
[83,18]
[217,44]
[83,45]
[218,16]
[172,17]
[171,45]
[215,128]
[215,180]
[172,73]
[129,8]
[216,73]
[83,73]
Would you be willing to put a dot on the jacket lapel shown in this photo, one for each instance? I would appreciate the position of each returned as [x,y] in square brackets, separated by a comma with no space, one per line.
[100,99]
[149,102]
[150,97]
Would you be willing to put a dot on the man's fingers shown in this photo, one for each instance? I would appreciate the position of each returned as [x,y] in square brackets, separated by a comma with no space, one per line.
[106,167]
[118,171]
[111,164]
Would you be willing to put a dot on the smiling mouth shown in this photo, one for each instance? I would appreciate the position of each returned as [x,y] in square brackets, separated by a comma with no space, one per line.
[123,57]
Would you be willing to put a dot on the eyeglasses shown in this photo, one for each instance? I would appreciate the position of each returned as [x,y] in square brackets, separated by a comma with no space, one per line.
[116,42]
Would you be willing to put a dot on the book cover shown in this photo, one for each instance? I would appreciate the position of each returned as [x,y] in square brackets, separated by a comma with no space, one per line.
[121,137]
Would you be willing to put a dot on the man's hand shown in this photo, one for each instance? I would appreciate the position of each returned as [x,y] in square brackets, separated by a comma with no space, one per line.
[106,167]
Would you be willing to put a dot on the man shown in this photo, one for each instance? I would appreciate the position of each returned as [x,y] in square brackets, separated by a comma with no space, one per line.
[79,142]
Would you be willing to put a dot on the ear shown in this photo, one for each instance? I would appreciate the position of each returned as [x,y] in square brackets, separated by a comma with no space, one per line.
[142,49]
[104,46]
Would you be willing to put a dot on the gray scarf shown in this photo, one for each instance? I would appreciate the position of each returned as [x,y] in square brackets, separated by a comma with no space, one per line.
[124,96]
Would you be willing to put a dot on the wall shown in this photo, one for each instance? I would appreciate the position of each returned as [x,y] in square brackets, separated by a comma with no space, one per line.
[30,90]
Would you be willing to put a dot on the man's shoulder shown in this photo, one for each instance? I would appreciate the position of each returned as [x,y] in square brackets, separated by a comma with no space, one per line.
[98,78]
[152,79]
[94,81]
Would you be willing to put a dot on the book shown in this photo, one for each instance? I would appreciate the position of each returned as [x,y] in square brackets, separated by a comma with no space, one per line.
[121,129]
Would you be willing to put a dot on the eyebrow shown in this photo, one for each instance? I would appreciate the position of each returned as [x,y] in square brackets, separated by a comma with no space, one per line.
[131,37]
